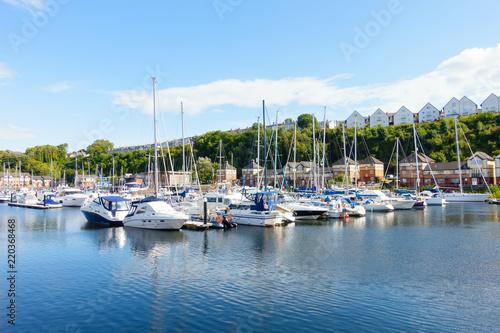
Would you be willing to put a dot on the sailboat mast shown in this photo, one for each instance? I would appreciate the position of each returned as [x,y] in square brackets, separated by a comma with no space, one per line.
[220,161]
[314,152]
[345,159]
[76,170]
[156,139]
[397,164]
[258,153]
[294,154]
[265,144]
[417,183]
[324,144]
[356,154]
[183,149]
[458,156]
[276,152]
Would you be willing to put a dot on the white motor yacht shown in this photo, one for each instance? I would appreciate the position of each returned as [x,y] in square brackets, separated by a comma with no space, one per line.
[70,197]
[154,213]
[260,212]
[107,210]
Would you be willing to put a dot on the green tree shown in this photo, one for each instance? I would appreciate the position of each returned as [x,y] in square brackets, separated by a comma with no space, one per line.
[304,121]
[205,168]
[99,148]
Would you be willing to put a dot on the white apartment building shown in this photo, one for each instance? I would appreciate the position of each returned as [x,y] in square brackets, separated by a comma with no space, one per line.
[428,113]
[491,104]
[403,116]
[462,107]
[379,117]
[355,119]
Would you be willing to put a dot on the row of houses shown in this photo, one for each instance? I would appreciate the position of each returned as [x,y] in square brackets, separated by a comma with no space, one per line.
[455,107]
[24,179]
[477,170]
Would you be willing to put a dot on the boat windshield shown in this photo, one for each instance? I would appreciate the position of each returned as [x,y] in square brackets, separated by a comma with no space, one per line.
[115,205]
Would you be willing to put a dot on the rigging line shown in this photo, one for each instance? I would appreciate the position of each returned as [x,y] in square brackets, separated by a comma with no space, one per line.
[388,164]
[168,145]
[472,154]
[401,146]
[366,146]
[248,169]
[427,160]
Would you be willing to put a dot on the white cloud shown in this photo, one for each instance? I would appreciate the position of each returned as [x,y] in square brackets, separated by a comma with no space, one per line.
[474,72]
[57,87]
[15,133]
[5,73]
[30,5]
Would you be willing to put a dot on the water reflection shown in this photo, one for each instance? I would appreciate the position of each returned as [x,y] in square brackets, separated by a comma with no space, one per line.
[144,242]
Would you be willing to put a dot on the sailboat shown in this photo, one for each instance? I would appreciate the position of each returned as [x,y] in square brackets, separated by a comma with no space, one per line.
[263,209]
[452,196]
[152,212]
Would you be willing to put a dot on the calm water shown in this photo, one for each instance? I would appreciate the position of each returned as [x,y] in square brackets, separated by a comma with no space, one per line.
[428,271]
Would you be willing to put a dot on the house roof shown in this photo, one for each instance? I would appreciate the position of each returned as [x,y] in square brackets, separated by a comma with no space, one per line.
[253,165]
[481,155]
[421,158]
[444,166]
[342,161]
[492,94]
[371,160]
[227,166]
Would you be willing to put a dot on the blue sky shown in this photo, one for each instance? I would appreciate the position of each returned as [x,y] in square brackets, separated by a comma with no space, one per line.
[75,71]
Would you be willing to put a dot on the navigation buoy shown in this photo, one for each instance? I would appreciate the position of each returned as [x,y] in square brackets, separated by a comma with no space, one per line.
[346,216]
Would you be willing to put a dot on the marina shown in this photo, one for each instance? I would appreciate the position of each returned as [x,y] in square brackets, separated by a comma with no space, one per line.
[411,270]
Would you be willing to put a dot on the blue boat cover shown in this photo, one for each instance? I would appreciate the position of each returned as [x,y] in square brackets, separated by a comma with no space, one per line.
[113,198]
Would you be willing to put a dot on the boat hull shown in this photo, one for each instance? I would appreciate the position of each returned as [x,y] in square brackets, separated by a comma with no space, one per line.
[379,207]
[466,197]
[71,201]
[403,204]
[150,222]
[256,219]
[99,219]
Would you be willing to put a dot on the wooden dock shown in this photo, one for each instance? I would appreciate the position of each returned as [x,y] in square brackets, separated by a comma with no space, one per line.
[15,204]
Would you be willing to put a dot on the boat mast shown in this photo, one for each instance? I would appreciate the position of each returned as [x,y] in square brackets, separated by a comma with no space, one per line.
[258,152]
[276,152]
[345,160]
[324,143]
[265,145]
[113,179]
[458,156]
[156,139]
[356,154]
[314,152]
[183,150]
[397,164]
[219,174]
[294,154]
[416,159]
[76,170]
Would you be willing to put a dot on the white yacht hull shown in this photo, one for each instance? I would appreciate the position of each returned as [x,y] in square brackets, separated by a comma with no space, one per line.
[355,211]
[256,218]
[466,197]
[151,222]
[374,207]
[403,204]
[435,201]
[71,200]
